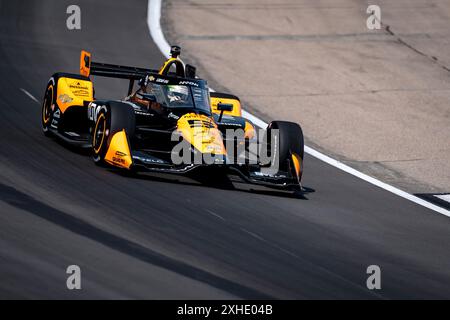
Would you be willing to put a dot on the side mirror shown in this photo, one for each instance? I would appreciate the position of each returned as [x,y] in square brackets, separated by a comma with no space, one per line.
[149,97]
[223,107]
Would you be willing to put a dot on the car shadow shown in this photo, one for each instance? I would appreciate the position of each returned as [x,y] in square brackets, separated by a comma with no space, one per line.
[72,148]
[215,182]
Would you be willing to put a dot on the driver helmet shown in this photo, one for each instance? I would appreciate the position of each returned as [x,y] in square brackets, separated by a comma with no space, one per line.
[177,93]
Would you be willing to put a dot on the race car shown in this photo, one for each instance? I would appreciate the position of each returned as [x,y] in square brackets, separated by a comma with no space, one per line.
[169,121]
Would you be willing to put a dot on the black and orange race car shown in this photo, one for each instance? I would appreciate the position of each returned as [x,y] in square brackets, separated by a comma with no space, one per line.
[169,121]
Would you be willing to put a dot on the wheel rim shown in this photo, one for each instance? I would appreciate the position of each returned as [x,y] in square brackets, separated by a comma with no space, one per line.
[99,133]
[46,108]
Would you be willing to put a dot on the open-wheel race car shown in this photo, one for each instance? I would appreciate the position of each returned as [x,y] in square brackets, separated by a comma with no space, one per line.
[171,122]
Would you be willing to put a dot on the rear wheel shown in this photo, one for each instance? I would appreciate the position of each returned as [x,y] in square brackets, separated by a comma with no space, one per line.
[46,117]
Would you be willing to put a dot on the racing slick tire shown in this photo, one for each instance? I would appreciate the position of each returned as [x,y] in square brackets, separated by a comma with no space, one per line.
[112,117]
[290,147]
[48,101]
[49,104]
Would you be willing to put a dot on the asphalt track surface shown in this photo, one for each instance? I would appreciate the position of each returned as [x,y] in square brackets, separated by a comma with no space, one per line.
[168,237]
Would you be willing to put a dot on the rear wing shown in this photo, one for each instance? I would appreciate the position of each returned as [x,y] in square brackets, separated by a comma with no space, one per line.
[89,67]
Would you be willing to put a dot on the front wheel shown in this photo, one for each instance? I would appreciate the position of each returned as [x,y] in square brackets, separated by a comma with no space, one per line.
[110,118]
[99,138]
[286,139]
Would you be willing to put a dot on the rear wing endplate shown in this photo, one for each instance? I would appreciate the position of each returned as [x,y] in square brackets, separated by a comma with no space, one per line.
[85,63]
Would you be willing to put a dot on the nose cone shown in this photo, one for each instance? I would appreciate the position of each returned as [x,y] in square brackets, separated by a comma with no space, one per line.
[202,133]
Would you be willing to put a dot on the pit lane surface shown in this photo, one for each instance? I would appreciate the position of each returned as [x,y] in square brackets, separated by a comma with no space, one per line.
[166,237]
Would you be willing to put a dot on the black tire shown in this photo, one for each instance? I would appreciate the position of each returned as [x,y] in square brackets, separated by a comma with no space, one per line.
[48,101]
[113,116]
[50,98]
[290,138]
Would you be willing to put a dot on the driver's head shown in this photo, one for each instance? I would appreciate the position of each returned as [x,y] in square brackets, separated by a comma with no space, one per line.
[177,93]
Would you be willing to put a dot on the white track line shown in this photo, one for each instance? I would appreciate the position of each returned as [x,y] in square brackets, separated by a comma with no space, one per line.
[256,121]
[154,26]
[445,197]
[29,95]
